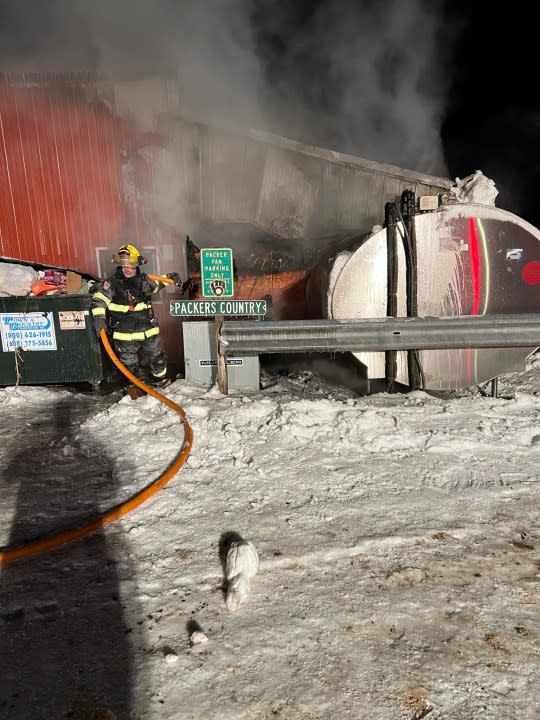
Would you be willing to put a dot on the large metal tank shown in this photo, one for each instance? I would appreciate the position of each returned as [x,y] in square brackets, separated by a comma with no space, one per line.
[472,259]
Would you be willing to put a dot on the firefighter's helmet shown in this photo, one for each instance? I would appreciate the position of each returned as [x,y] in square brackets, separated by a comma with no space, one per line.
[128,256]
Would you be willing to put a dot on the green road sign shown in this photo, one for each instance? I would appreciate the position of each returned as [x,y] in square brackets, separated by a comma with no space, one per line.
[217,274]
[217,307]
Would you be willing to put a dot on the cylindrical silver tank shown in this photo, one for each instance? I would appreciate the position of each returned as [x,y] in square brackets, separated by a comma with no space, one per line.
[471,260]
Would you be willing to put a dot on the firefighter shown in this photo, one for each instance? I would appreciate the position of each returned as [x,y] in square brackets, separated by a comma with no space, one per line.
[122,305]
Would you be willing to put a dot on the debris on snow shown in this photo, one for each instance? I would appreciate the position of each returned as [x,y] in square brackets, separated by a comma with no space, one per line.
[170,656]
[198,638]
[242,564]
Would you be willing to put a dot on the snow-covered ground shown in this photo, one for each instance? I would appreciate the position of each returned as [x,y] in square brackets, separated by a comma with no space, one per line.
[397,536]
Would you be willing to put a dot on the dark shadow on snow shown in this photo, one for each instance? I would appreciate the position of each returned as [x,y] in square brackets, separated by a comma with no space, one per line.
[65,644]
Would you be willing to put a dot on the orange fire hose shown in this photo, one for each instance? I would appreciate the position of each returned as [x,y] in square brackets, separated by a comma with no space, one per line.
[160,278]
[8,554]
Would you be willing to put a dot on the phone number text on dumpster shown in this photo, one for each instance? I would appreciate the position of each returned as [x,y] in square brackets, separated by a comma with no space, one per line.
[27,331]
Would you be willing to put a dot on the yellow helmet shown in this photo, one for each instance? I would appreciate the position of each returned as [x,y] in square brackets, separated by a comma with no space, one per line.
[128,255]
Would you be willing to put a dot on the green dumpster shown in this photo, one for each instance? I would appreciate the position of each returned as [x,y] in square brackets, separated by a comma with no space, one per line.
[49,340]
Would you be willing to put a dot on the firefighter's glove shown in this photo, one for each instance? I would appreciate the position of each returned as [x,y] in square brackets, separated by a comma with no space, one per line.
[175,277]
[100,324]
[187,285]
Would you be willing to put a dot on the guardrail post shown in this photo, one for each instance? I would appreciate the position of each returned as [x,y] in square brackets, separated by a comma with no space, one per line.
[221,358]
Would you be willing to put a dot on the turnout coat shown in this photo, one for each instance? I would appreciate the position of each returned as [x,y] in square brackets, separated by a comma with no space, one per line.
[126,304]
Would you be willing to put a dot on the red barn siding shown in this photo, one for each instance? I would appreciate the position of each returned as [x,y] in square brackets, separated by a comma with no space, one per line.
[61,177]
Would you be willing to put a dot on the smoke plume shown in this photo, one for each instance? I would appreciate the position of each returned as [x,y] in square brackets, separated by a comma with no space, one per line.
[363,77]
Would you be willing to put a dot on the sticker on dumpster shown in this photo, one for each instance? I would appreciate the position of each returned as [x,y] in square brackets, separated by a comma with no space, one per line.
[72,319]
[27,331]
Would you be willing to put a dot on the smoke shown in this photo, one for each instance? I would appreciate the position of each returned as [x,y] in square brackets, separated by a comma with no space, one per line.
[366,77]
[207,46]
[372,79]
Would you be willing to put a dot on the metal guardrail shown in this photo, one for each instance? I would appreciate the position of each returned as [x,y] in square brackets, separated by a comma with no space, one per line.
[380,334]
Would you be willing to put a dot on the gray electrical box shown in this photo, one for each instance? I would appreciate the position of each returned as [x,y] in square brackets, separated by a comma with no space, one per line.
[200,359]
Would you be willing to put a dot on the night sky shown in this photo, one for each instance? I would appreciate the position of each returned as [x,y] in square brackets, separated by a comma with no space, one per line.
[493,114]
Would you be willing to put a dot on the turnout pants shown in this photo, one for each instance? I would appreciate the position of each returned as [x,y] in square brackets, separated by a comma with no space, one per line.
[128,354]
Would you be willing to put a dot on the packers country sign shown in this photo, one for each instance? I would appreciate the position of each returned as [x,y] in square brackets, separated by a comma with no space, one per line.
[217,307]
